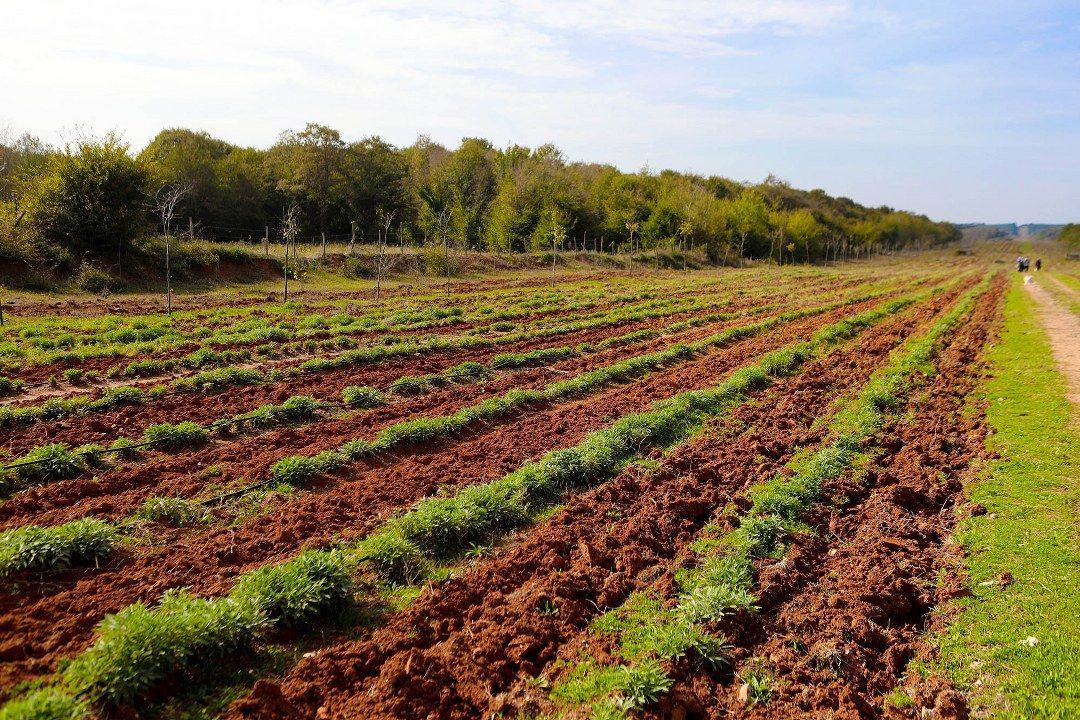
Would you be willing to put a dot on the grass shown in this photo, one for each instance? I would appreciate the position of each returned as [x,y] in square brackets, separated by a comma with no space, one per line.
[1032,530]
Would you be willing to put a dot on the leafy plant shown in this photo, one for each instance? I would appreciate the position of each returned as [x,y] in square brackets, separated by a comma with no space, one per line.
[46,463]
[10,386]
[408,386]
[79,542]
[645,682]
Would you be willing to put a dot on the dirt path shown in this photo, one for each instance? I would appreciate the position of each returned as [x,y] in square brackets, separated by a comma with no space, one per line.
[1063,327]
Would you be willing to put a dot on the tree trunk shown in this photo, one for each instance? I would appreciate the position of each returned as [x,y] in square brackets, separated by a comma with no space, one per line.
[286,296]
[168,277]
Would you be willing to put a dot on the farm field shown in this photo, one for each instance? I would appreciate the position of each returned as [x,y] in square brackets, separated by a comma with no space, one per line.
[719,493]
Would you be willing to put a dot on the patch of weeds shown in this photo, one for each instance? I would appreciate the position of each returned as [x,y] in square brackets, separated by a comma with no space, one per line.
[177,437]
[174,511]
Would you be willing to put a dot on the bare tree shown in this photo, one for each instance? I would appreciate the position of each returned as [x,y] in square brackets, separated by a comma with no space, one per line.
[165,202]
[632,227]
[558,237]
[290,228]
[442,230]
[382,260]
[685,232]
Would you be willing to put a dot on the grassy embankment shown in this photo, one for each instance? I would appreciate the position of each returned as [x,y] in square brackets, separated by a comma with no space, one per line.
[1014,650]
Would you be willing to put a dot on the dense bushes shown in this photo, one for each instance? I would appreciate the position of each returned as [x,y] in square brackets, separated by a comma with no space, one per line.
[93,197]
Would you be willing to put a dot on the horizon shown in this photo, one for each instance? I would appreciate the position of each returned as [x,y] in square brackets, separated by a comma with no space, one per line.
[913,107]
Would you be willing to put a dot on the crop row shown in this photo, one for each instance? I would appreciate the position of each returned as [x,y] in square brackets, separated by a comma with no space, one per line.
[232,376]
[55,461]
[648,632]
[270,340]
[140,645]
[37,344]
[237,375]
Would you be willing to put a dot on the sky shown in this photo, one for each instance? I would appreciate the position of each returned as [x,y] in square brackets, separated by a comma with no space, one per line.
[964,111]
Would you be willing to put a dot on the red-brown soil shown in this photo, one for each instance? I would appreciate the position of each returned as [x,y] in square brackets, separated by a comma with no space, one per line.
[464,647]
[844,614]
[116,492]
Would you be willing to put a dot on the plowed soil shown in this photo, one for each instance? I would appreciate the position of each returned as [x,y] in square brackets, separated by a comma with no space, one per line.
[463,649]
[326,385]
[665,288]
[55,618]
[108,493]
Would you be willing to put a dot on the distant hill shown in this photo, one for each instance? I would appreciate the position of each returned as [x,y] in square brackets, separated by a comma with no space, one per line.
[986,231]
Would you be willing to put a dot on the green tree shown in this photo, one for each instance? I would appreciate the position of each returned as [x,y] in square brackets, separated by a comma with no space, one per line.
[376,174]
[468,187]
[804,230]
[1070,235]
[91,197]
[311,167]
[185,158]
[747,219]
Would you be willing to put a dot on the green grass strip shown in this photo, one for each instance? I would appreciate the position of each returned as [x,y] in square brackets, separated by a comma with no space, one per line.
[1031,529]
[140,645]
[649,633]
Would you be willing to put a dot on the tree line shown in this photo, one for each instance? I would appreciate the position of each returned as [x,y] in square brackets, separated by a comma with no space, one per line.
[95,196]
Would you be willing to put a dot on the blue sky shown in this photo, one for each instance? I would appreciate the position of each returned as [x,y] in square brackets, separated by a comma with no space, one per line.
[962,110]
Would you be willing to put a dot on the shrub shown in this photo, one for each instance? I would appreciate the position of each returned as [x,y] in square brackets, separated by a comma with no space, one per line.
[176,437]
[219,378]
[144,368]
[125,448]
[408,386]
[93,279]
[355,267]
[45,704]
[713,602]
[466,371]
[138,646]
[80,542]
[298,470]
[297,407]
[393,558]
[541,356]
[362,397]
[760,535]
[645,683]
[10,386]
